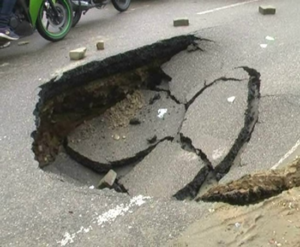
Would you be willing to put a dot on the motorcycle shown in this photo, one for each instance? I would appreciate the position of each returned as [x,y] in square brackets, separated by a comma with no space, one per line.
[82,6]
[51,18]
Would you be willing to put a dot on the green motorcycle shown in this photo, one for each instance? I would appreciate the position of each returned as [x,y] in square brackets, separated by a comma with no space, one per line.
[51,18]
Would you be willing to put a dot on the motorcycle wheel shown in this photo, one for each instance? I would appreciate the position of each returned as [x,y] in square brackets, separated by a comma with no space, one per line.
[121,5]
[76,17]
[51,27]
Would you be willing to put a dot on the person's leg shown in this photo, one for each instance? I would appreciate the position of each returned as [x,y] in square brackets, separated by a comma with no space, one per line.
[6,8]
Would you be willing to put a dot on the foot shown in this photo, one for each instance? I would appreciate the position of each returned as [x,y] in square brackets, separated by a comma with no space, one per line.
[4,45]
[6,33]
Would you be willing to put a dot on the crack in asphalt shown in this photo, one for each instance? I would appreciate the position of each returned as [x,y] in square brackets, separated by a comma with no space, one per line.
[105,167]
[190,191]
[205,86]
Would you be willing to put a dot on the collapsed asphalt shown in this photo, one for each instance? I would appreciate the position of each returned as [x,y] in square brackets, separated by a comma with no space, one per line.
[36,205]
[92,121]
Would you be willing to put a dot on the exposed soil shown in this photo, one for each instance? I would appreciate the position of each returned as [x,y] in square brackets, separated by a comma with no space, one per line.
[273,222]
[256,187]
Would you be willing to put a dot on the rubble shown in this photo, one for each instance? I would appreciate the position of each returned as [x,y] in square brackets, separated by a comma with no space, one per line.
[78,53]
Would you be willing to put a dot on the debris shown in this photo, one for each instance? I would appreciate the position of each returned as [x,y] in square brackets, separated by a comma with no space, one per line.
[23,43]
[237,225]
[267,10]
[124,137]
[263,45]
[152,140]
[162,112]
[92,187]
[100,45]
[181,22]
[231,99]
[116,137]
[108,180]
[77,54]
[270,38]
[134,121]
[154,98]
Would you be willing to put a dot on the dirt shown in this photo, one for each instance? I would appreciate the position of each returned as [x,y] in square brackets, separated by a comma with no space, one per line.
[256,187]
[272,222]
[121,114]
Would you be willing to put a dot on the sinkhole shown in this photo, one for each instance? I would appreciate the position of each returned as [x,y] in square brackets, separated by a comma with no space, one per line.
[116,124]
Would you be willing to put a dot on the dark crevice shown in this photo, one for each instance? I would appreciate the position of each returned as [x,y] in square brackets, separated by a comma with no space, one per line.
[250,120]
[205,86]
[105,167]
[251,117]
[190,191]
[169,94]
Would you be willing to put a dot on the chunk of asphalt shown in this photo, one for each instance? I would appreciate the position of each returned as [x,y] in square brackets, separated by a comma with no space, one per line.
[108,180]
[78,53]
[211,123]
[95,140]
[163,172]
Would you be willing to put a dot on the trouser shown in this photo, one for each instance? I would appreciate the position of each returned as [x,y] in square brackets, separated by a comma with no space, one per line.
[6,8]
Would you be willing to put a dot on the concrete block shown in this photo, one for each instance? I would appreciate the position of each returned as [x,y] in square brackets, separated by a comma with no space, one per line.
[108,180]
[77,54]
[267,10]
[100,45]
[179,22]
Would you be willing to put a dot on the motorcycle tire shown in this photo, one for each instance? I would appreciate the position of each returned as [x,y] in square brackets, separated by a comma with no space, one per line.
[76,17]
[121,5]
[64,7]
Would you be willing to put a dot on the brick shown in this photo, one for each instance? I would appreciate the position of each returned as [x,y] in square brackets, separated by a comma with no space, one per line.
[181,22]
[100,45]
[267,10]
[77,54]
[108,180]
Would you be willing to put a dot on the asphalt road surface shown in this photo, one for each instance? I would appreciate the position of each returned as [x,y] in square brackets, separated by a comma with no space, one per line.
[42,209]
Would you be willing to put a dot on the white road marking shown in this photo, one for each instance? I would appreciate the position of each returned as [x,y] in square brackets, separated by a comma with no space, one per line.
[106,217]
[292,150]
[226,7]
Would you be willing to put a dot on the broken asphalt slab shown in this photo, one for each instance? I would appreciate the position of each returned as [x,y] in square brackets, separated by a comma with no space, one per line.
[212,123]
[278,124]
[166,170]
[200,66]
[110,140]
